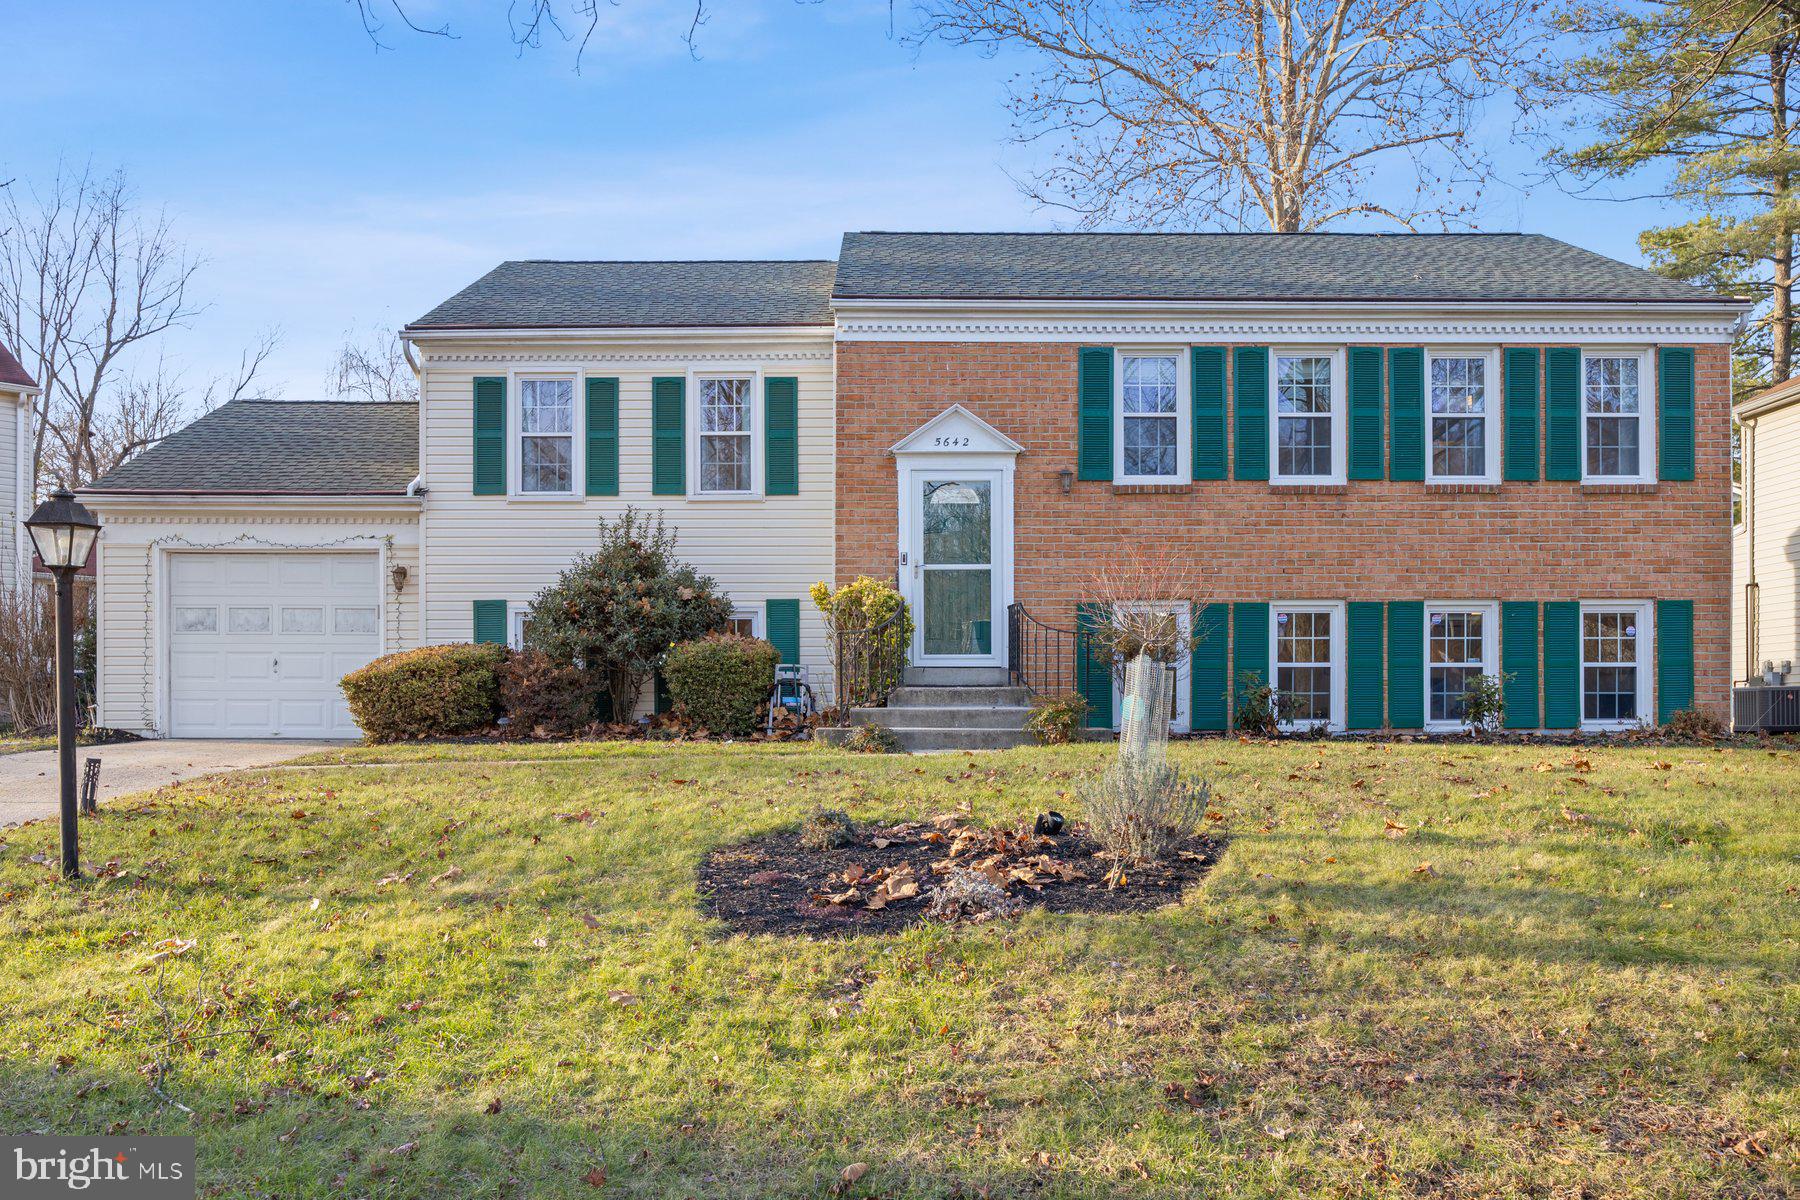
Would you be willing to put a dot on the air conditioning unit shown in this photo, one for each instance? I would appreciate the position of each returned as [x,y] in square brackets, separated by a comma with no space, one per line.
[1771,709]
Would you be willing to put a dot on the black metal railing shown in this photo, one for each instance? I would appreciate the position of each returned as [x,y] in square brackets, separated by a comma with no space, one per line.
[1044,659]
[868,663]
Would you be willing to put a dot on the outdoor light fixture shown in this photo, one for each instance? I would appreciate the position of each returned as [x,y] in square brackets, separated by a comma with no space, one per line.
[399,574]
[64,533]
[1068,480]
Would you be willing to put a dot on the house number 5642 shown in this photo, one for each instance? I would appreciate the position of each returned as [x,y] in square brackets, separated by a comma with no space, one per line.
[949,441]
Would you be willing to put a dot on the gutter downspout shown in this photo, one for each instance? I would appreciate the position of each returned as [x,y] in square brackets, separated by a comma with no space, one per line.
[1752,590]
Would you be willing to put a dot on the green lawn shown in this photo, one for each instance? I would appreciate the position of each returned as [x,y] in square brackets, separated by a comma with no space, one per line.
[18,743]
[428,980]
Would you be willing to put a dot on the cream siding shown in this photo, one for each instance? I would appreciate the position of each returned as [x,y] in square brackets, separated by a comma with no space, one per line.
[1772,500]
[14,489]
[509,548]
[136,537]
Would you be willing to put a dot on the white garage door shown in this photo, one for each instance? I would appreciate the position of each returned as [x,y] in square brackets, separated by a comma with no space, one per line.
[257,642]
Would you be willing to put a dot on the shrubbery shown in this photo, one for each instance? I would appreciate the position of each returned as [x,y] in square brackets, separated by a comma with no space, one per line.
[1058,719]
[435,691]
[720,681]
[616,612]
[544,698]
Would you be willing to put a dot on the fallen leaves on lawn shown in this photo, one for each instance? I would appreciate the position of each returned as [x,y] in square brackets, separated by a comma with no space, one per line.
[595,1178]
[622,998]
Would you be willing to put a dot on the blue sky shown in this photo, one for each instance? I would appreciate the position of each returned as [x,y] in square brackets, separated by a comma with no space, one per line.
[331,186]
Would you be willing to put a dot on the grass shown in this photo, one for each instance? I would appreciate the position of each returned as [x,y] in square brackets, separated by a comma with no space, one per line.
[464,978]
[18,743]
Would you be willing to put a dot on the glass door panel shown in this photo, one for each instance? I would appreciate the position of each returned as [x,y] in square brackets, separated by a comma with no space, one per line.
[957,560]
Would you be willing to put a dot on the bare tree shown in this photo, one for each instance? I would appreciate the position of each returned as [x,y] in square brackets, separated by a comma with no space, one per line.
[529,22]
[1141,593]
[87,285]
[1251,112]
[372,369]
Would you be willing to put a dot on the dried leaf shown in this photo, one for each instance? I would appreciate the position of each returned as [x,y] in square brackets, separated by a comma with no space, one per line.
[596,1178]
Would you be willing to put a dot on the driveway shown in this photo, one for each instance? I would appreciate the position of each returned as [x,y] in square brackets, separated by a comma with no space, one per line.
[28,780]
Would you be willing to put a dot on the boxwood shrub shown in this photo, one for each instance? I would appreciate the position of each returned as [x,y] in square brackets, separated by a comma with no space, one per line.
[720,680]
[434,691]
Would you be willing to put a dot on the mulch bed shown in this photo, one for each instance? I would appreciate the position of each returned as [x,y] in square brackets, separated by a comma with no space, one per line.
[883,881]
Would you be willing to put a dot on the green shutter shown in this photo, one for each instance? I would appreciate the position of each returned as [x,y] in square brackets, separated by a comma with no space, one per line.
[602,437]
[1675,409]
[1365,412]
[1094,391]
[1093,676]
[1522,433]
[1519,662]
[1562,413]
[1674,657]
[668,447]
[490,621]
[1562,664]
[1209,683]
[782,620]
[660,699]
[490,435]
[1249,649]
[1363,635]
[1208,367]
[1406,664]
[1406,425]
[1250,402]
[781,436]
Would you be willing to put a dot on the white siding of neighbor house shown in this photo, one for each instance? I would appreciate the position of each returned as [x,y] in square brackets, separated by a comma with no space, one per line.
[507,548]
[13,487]
[136,537]
[1774,492]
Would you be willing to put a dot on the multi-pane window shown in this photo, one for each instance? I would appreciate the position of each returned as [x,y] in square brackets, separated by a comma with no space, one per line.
[1303,414]
[746,621]
[1303,654]
[1612,406]
[1455,657]
[546,435]
[726,464]
[1611,663]
[1459,417]
[1151,416]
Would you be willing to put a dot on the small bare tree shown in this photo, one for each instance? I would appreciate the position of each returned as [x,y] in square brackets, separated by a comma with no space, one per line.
[1141,592]
[372,369]
[1236,113]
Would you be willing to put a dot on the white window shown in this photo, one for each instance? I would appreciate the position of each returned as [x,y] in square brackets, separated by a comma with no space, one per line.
[547,436]
[1463,407]
[515,634]
[1151,427]
[726,451]
[1460,647]
[1307,646]
[747,620]
[1615,664]
[1308,401]
[1618,429]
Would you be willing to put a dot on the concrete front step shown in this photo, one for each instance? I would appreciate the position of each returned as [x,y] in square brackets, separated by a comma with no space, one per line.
[961,739]
[943,716]
[955,676]
[933,696]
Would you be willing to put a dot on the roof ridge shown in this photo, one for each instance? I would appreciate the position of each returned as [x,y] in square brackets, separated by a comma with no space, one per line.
[347,403]
[686,262]
[1219,233]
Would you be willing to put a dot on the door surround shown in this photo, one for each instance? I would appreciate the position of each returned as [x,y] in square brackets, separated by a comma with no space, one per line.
[957,444]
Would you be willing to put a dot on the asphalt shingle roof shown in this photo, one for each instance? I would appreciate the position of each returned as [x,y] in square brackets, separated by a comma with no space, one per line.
[280,447]
[1453,267]
[541,294]
[11,373]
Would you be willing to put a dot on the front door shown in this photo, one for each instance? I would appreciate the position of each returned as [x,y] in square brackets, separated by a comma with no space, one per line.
[959,609]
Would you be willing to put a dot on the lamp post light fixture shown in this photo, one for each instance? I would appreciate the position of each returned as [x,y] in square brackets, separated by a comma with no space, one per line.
[64,533]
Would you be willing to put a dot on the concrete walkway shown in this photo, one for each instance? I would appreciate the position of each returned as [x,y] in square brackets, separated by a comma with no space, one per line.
[28,780]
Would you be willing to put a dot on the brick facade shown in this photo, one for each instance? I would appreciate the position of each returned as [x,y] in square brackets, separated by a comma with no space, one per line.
[1253,541]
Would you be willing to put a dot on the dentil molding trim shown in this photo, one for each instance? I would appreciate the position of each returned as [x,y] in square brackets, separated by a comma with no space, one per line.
[1550,332]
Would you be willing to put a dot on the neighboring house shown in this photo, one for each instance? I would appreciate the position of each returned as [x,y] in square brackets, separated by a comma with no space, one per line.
[1387,464]
[1766,541]
[17,389]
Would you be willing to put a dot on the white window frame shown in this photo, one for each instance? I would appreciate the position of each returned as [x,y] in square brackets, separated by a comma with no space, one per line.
[1647,412]
[1490,648]
[515,624]
[1492,402]
[1646,661]
[516,435]
[1184,415]
[1339,663]
[756,614]
[755,433]
[1340,418]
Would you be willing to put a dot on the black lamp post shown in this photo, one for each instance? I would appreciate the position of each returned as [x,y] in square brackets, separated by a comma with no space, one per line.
[64,532]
